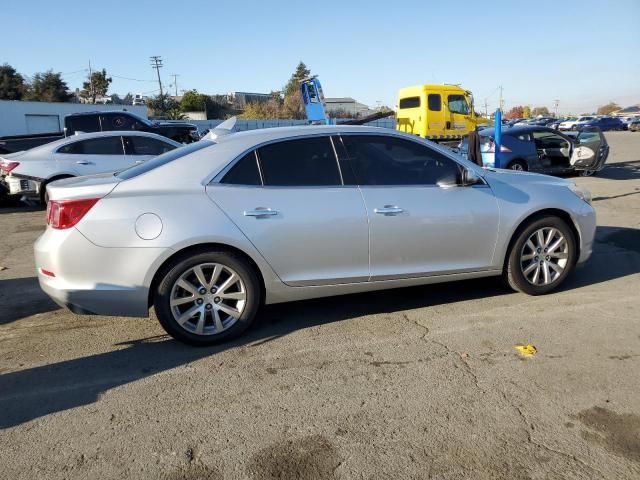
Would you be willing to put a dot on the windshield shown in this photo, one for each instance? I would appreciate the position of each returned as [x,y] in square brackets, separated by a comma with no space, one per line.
[163,159]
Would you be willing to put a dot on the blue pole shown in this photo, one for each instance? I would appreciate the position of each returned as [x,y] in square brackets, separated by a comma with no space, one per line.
[497,137]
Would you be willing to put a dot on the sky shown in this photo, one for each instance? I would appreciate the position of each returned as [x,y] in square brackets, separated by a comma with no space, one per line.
[583,53]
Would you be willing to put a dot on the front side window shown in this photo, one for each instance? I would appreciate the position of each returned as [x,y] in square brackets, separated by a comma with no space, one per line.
[139,145]
[458,104]
[304,162]
[244,172]
[95,146]
[409,102]
[386,160]
[435,102]
[546,139]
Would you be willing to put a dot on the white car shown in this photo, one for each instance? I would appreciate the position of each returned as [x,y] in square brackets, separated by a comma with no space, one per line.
[29,172]
[571,124]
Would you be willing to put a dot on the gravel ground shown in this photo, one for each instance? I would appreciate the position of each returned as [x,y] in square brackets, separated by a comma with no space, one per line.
[413,383]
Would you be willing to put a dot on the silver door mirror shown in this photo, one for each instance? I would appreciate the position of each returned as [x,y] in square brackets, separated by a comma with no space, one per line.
[469,177]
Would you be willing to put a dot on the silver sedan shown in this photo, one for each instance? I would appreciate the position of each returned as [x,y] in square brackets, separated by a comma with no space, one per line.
[209,232]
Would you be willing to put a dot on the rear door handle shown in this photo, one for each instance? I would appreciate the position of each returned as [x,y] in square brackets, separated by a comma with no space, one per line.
[389,210]
[260,212]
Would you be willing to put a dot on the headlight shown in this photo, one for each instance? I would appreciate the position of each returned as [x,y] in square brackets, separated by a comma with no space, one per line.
[581,192]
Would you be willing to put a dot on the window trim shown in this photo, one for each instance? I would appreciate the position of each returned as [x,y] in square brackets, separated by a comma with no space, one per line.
[429,95]
[76,141]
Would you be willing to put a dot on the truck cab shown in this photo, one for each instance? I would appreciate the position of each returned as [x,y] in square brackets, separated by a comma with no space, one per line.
[436,112]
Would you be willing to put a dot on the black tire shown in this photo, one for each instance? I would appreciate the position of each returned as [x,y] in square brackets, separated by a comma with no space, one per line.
[518,165]
[513,273]
[171,274]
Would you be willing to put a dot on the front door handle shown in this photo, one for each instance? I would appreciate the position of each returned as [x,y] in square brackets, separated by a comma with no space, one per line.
[389,210]
[83,162]
[260,212]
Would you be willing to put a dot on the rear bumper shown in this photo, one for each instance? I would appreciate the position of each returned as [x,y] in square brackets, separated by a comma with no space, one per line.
[16,185]
[94,280]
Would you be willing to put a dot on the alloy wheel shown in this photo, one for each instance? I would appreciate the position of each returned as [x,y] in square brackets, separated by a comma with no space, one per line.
[517,166]
[544,256]
[208,299]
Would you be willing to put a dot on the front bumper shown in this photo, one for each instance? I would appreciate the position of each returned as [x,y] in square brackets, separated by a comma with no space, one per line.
[585,222]
[94,280]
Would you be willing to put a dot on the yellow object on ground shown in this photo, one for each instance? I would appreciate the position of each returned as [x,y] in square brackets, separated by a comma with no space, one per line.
[526,350]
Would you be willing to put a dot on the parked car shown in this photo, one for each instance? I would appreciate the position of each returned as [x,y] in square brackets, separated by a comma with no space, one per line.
[634,125]
[603,123]
[544,150]
[102,122]
[626,121]
[211,231]
[570,124]
[29,172]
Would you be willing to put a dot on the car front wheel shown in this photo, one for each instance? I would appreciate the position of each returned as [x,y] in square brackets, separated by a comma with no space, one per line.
[518,165]
[207,297]
[541,256]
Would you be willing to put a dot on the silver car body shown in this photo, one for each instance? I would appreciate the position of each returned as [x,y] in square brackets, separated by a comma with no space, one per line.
[317,241]
[45,162]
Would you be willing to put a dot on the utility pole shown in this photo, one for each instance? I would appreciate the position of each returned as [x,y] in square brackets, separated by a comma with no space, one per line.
[486,108]
[501,105]
[156,63]
[175,81]
[555,107]
[93,98]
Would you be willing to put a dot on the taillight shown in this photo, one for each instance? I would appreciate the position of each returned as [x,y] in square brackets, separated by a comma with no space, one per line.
[6,167]
[63,214]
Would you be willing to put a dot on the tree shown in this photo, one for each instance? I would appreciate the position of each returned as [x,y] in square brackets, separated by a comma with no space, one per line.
[97,85]
[162,103]
[175,114]
[540,111]
[515,112]
[193,101]
[12,85]
[293,105]
[127,99]
[526,111]
[608,109]
[48,87]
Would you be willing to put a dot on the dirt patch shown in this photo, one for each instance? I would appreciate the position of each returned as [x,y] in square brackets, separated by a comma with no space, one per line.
[618,433]
[194,472]
[312,458]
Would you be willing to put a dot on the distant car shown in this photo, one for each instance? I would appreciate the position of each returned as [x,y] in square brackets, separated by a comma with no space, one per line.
[29,172]
[570,124]
[210,232]
[626,121]
[634,125]
[603,123]
[544,150]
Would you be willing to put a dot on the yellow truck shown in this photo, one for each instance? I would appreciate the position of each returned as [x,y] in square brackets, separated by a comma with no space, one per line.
[437,112]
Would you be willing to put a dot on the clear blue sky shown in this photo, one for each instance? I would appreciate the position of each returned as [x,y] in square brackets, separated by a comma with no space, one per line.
[582,52]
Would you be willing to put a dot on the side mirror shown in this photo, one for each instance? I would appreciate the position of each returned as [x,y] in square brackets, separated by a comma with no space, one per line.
[469,177]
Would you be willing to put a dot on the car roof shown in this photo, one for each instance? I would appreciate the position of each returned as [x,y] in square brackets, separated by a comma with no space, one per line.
[516,129]
[113,133]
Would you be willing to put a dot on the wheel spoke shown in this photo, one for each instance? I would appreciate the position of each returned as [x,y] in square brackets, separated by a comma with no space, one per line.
[216,320]
[201,320]
[229,310]
[529,256]
[530,268]
[185,285]
[556,268]
[550,235]
[234,296]
[555,245]
[540,238]
[181,301]
[536,275]
[531,245]
[559,254]
[182,319]
[546,273]
[228,282]
[215,275]
[200,276]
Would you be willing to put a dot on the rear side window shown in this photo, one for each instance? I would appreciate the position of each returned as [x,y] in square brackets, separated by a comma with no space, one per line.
[304,162]
[95,146]
[386,160]
[409,102]
[244,172]
[435,102]
[162,159]
[147,146]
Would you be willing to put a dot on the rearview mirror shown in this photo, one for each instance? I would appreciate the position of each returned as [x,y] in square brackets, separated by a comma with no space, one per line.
[469,177]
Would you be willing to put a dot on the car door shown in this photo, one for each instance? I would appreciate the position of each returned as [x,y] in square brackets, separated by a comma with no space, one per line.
[590,151]
[458,110]
[553,149]
[93,155]
[421,222]
[289,199]
[140,148]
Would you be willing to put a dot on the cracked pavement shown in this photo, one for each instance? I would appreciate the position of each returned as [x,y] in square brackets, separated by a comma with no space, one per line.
[414,383]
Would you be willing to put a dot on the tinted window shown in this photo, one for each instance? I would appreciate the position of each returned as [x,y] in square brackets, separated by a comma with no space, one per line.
[458,104]
[84,123]
[381,160]
[244,172]
[546,139]
[147,146]
[162,159]
[435,102]
[304,162]
[95,146]
[409,102]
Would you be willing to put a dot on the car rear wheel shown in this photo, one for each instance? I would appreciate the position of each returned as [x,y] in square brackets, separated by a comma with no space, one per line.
[518,165]
[541,256]
[207,297]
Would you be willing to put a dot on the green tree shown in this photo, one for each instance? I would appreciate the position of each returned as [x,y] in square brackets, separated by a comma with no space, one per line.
[193,101]
[48,87]
[175,114]
[540,111]
[161,104]
[127,99]
[12,84]
[608,109]
[526,111]
[97,85]
[293,106]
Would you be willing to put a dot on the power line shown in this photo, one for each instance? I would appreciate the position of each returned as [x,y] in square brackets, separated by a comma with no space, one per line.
[132,79]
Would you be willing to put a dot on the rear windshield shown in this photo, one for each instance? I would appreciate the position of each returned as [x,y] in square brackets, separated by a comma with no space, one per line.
[162,159]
